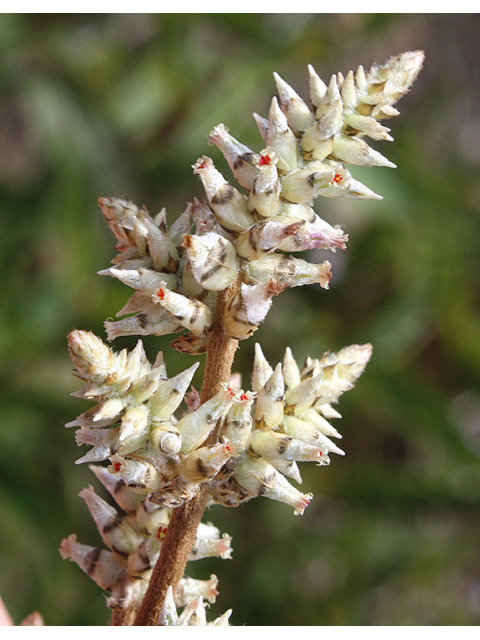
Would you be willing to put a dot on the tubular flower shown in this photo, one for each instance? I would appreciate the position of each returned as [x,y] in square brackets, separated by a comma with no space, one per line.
[240,237]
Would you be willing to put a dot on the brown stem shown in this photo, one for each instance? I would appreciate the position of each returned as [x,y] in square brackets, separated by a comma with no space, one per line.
[184,521]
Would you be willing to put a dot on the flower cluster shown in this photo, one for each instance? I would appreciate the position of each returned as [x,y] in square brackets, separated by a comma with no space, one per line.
[133,531]
[238,444]
[262,433]
[246,237]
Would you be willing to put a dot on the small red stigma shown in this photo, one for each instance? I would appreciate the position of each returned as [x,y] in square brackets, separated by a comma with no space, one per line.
[337,178]
[243,396]
[161,533]
[117,466]
[264,160]
[161,294]
[228,448]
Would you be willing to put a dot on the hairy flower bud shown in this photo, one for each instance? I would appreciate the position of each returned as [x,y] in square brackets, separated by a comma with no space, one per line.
[102,566]
[249,307]
[228,204]
[195,426]
[297,112]
[203,464]
[282,139]
[191,314]
[242,161]
[213,260]
[264,198]
[139,475]
[269,407]
[116,531]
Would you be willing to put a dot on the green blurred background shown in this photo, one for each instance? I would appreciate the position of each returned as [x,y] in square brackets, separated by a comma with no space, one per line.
[119,105]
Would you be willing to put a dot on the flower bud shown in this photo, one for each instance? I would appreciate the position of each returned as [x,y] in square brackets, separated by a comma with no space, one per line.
[237,426]
[293,272]
[262,124]
[194,427]
[264,196]
[303,185]
[261,370]
[213,260]
[123,496]
[269,407]
[291,372]
[145,280]
[273,446]
[307,433]
[119,215]
[316,235]
[161,248]
[152,322]
[94,361]
[241,160]
[133,430]
[181,226]
[297,112]
[228,204]
[191,314]
[361,84]
[357,151]
[139,475]
[264,238]
[261,478]
[349,94]
[303,395]
[116,531]
[170,394]
[344,186]
[318,88]
[249,307]
[203,464]
[312,416]
[101,565]
[104,449]
[368,126]
[282,139]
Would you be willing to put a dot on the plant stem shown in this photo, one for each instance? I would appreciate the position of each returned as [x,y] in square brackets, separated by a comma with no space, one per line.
[184,521]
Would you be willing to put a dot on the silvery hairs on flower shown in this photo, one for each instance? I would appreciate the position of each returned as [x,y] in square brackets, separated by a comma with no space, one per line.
[237,243]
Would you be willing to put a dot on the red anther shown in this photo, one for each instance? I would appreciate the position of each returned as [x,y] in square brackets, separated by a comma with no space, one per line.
[161,294]
[228,448]
[337,178]
[321,453]
[264,160]
[117,466]
[202,165]
[243,396]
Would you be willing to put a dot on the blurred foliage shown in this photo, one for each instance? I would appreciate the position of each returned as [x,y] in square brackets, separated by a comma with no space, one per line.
[119,105]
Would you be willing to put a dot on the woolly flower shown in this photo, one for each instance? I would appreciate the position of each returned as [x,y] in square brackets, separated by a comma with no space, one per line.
[241,236]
